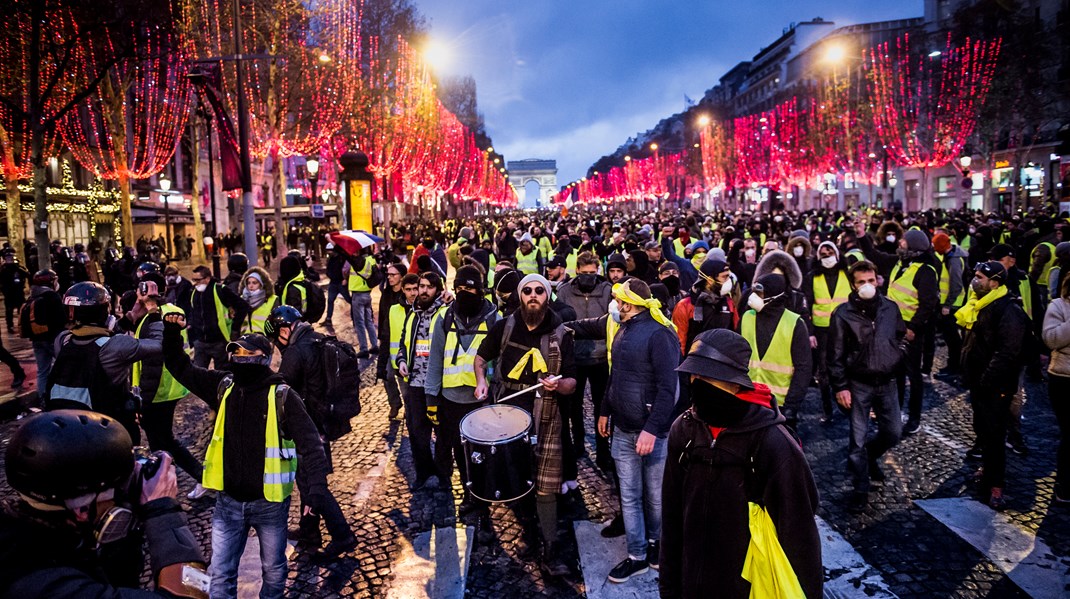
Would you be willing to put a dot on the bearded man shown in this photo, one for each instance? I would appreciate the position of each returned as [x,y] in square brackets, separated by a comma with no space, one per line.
[531,346]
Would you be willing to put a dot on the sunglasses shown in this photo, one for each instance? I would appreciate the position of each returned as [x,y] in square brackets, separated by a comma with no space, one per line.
[540,290]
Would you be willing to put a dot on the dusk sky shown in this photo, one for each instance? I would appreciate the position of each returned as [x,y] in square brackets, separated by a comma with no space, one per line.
[572,79]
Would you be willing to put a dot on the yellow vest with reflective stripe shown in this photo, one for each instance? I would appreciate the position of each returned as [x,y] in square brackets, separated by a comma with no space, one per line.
[612,327]
[902,291]
[824,304]
[170,389]
[1026,291]
[570,263]
[1043,280]
[945,280]
[257,320]
[678,247]
[855,253]
[358,279]
[396,320]
[419,347]
[301,291]
[459,365]
[222,314]
[280,454]
[775,368]
[528,264]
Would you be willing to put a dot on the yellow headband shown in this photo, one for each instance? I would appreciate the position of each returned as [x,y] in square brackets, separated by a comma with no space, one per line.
[623,293]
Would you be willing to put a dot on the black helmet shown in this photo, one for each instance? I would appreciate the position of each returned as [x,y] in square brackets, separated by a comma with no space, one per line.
[238,262]
[281,316]
[65,454]
[147,267]
[44,278]
[88,303]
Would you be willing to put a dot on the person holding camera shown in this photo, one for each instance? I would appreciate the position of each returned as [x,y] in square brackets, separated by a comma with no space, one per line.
[92,367]
[261,428]
[72,470]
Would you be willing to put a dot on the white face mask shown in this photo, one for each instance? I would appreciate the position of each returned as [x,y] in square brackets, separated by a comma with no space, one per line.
[756,302]
[614,311]
[890,238]
[867,291]
[749,253]
[798,251]
[726,287]
[828,261]
[201,288]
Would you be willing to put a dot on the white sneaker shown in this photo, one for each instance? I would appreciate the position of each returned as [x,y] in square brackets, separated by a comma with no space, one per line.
[197,492]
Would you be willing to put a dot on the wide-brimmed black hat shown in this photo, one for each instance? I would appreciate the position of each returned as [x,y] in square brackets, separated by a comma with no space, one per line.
[721,355]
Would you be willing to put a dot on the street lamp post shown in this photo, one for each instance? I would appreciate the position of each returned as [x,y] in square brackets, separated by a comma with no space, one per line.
[165,191]
[312,167]
[892,181]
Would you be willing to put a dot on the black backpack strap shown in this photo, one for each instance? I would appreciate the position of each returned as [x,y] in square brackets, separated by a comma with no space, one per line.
[281,393]
[221,389]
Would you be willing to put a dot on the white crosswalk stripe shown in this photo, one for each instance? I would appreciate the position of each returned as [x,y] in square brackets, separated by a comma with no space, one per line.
[1024,558]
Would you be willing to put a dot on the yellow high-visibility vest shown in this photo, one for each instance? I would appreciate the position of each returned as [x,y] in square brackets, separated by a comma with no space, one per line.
[170,389]
[528,264]
[902,291]
[776,367]
[418,347]
[222,314]
[824,304]
[1043,280]
[459,365]
[257,320]
[612,327]
[301,291]
[396,320]
[280,454]
[945,280]
[358,278]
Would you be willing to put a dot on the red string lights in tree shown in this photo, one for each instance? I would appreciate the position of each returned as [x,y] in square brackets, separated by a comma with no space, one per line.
[926,105]
[131,126]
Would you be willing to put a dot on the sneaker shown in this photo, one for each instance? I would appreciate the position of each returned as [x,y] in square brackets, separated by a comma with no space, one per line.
[857,502]
[927,378]
[876,474]
[626,569]
[1018,448]
[996,500]
[394,413]
[552,565]
[615,528]
[947,374]
[19,379]
[197,492]
[335,549]
[653,549]
[912,427]
[974,452]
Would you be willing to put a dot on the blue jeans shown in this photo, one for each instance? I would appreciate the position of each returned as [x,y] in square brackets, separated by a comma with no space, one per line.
[44,353]
[884,401]
[231,522]
[640,489]
[364,319]
[333,291]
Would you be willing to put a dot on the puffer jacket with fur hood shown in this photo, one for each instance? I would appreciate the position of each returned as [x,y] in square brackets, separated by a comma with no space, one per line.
[269,287]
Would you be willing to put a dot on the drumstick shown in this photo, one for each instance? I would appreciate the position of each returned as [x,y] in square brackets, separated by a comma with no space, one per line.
[528,390]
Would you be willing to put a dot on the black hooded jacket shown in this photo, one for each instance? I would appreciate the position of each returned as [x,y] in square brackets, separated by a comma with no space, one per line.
[705,516]
[302,367]
[246,421]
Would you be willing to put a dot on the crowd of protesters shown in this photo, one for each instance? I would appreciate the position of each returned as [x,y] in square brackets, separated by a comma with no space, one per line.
[699,334]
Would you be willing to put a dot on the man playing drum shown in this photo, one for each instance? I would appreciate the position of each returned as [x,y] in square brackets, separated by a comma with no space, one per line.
[531,347]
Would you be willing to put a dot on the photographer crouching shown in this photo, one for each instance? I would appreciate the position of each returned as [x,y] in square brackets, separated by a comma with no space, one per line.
[81,494]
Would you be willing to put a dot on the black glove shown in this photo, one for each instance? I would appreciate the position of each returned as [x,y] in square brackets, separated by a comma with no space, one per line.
[317,498]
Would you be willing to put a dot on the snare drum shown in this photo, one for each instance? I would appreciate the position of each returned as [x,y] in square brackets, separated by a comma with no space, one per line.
[498,451]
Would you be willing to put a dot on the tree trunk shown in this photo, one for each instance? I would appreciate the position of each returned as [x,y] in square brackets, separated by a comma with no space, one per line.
[197,248]
[127,216]
[14,197]
[279,175]
[40,199]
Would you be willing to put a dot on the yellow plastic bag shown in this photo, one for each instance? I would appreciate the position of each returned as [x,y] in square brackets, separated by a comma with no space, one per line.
[767,567]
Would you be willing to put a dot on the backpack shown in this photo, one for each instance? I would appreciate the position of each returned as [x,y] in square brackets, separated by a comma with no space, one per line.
[375,277]
[315,301]
[30,323]
[341,370]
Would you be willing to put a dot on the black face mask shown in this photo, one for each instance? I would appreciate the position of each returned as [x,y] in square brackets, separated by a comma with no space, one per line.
[672,283]
[715,406]
[468,303]
[586,282]
[248,373]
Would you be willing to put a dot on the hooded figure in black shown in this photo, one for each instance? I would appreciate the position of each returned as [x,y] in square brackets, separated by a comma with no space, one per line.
[732,445]
[642,269]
